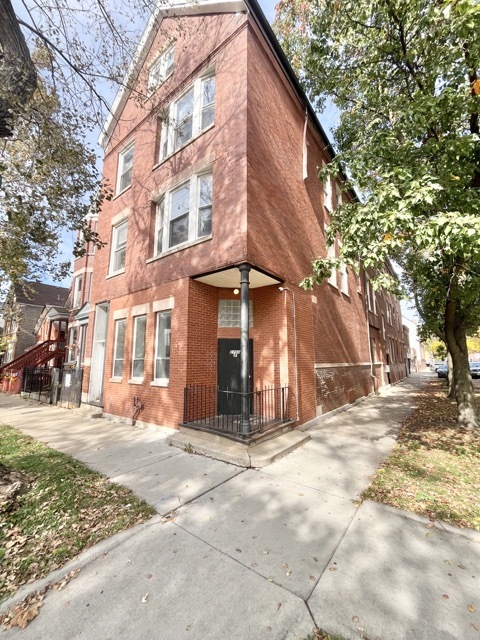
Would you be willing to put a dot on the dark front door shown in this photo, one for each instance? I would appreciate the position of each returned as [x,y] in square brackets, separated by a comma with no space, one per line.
[229,375]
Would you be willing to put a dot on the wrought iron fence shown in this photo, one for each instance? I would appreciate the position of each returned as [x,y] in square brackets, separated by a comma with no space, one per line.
[37,382]
[213,409]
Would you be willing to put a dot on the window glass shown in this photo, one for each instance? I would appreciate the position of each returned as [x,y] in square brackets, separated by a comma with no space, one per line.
[119,348]
[208,101]
[184,119]
[204,205]
[179,211]
[125,168]
[229,313]
[138,361]
[119,246]
[162,355]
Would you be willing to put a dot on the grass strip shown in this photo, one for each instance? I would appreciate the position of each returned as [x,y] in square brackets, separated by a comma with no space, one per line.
[434,468]
[67,509]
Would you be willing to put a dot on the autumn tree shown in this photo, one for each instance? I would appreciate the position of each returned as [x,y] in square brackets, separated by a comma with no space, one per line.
[59,65]
[404,77]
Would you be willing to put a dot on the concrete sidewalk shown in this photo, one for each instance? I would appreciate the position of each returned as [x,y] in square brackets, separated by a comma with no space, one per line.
[251,554]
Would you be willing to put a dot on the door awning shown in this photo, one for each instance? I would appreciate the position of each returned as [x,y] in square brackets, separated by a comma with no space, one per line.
[229,278]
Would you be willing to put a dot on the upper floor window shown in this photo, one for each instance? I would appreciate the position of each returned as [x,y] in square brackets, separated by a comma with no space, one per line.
[189,115]
[184,214]
[77,294]
[119,247]
[328,193]
[125,165]
[160,69]
[331,253]
[343,275]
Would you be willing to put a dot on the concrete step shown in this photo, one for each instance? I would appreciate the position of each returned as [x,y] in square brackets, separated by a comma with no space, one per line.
[255,454]
[88,411]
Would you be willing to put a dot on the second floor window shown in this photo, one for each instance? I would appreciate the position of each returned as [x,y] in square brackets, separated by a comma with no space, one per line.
[119,247]
[189,115]
[184,214]
[77,295]
[125,165]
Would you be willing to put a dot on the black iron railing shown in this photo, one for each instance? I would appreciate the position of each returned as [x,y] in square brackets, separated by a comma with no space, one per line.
[37,382]
[213,409]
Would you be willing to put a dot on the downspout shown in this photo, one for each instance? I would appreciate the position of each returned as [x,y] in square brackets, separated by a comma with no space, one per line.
[297,419]
[244,347]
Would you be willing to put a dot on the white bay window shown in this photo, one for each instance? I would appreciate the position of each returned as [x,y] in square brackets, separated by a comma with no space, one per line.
[188,115]
[184,214]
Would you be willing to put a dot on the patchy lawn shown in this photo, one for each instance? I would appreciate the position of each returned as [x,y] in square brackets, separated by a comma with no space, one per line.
[67,509]
[434,469]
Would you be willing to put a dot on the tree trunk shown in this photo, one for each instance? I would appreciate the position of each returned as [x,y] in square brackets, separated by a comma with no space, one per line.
[18,77]
[450,378]
[455,333]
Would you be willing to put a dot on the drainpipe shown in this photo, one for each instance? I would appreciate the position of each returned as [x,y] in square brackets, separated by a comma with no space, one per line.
[244,346]
[294,346]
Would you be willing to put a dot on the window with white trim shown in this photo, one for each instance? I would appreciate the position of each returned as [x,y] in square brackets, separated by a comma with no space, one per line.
[343,274]
[188,115]
[184,214]
[77,294]
[371,305]
[138,359]
[160,69]
[331,253]
[339,195]
[125,166]
[119,348]
[327,192]
[162,347]
[119,247]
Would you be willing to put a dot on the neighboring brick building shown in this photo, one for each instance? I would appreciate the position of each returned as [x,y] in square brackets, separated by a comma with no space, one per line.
[217,201]
[22,309]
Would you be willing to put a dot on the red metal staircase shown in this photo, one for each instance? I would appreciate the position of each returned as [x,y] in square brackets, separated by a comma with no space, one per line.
[35,357]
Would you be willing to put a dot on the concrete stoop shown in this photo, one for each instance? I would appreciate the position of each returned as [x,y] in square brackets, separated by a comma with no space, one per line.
[255,454]
[88,411]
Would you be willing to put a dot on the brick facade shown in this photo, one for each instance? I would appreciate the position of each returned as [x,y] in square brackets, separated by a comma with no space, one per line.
[264,213]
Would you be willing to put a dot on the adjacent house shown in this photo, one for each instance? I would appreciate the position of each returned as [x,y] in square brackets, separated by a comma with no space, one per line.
[35,324]
[194,314]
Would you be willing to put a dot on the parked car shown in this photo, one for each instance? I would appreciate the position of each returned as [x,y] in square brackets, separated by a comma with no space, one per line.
[434,366]
[475,369]
[442,370]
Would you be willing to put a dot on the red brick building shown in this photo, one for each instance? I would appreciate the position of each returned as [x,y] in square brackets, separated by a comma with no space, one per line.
[215,178]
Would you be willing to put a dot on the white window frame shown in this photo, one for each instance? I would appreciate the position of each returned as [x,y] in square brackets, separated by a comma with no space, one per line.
[77,292]
[167,138]
[343,274]
[331,253]
[371,303]
[159,71]
[163,382]
[115,248]
[121,168]
[116,345]
[328,192]
[164,211]
[134,346]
